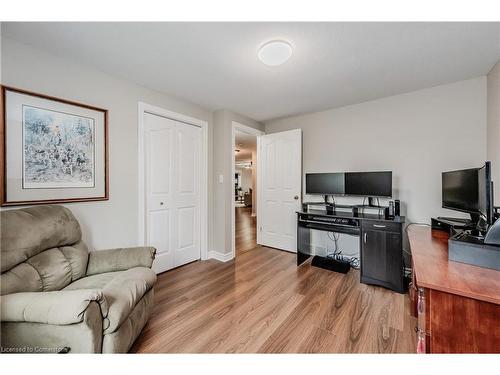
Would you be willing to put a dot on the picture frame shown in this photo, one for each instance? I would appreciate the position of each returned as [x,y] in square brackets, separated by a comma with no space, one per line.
[52,150]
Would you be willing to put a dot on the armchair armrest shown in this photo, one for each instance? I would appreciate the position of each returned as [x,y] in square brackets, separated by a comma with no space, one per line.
[59,307]
[120,259]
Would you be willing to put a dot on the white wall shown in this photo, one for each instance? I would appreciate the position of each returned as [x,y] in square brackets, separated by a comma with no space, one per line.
[224,191]
[110,223]
[417,135]
[493,147]
[246,178]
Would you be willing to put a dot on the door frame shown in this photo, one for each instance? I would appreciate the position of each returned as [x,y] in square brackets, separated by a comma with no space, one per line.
[144,108]
[236,126]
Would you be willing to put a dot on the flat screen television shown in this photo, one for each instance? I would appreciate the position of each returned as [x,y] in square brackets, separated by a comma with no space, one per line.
[470,191]
[365,184]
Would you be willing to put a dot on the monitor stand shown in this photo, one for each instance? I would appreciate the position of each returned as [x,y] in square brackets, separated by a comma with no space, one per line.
[478,224]
[475,218]
[330,207]
[371,202]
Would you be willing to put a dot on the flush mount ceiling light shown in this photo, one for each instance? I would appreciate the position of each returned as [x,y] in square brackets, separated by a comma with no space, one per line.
[275,52]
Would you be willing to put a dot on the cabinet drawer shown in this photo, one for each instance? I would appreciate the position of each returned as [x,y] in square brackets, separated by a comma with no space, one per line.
[382,226]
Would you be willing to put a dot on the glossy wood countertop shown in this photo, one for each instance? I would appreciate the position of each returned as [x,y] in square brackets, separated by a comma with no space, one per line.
[433,270]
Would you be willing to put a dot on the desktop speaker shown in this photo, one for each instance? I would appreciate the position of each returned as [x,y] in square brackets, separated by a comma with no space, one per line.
[391,210]
[397,207]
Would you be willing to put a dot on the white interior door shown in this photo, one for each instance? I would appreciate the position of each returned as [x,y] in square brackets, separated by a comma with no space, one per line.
[279,189]
[172,151]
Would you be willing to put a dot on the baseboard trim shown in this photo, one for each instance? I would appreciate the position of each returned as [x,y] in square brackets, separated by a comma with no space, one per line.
[219,256]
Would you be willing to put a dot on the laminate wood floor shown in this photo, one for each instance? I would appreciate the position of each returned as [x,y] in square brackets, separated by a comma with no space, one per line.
[245,230]
[261,302]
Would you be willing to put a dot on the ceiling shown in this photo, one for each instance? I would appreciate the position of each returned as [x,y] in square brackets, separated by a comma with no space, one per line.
[216,65]
[246,143]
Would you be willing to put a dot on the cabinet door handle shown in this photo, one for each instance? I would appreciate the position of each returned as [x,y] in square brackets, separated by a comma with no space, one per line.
[366,236]
[379,226]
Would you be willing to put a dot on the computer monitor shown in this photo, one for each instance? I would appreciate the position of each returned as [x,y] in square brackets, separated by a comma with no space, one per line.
[369,184]
[485,189]
[469,190]
[365,184]
[325,183]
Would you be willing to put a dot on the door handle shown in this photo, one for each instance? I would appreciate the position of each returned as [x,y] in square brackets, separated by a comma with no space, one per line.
[161,203]
[365,236]
[296,197]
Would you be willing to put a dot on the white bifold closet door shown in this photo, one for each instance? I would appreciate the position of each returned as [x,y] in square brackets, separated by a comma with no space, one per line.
[172,190]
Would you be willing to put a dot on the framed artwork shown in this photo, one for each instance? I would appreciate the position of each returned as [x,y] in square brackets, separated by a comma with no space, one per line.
[53,150]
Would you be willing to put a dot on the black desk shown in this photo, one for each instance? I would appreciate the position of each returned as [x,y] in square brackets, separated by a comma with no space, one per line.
[381,243]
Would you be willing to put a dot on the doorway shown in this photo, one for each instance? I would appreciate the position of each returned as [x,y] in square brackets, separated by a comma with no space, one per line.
[172,186]
[244,200]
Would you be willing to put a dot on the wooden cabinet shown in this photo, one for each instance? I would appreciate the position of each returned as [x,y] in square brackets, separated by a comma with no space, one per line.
[457,304]
[382,254]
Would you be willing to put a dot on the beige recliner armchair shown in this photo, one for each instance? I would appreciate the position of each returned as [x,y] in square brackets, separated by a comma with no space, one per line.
[58,296]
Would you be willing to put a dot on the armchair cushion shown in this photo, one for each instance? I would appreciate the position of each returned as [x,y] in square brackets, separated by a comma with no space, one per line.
[58,308]
[120,259]
[122,291]
[98,281]
[29,231]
